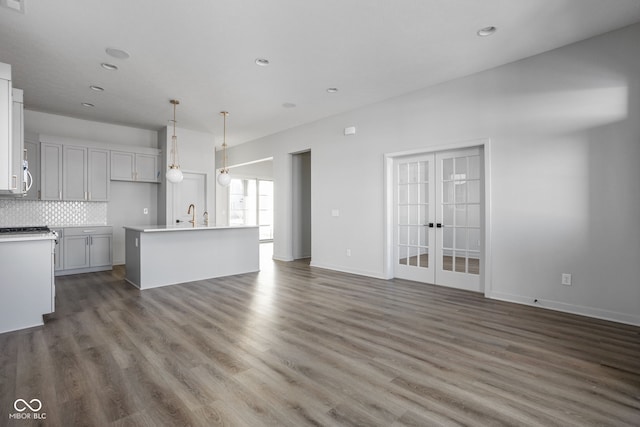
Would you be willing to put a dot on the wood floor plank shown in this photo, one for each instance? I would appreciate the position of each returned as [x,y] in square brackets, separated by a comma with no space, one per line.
[294,345]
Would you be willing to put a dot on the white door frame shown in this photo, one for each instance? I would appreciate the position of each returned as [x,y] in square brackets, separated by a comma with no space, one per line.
[485,144]
[171,201]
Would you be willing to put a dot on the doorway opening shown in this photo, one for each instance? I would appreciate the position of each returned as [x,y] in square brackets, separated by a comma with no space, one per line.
[301,204]
[251,203]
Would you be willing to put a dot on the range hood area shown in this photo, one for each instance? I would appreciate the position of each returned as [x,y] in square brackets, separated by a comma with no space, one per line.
[14,173]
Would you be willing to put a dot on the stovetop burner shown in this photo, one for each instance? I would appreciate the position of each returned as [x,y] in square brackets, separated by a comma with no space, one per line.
[30,229]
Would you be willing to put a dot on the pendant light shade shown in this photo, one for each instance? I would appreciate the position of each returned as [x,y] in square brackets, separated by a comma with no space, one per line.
[224,178]
[174,174]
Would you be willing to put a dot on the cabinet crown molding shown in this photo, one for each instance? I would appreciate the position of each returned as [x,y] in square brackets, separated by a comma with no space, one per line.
[52,139]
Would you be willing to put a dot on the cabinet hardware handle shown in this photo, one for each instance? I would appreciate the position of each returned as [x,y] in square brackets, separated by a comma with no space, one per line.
[15,181]
[60,195]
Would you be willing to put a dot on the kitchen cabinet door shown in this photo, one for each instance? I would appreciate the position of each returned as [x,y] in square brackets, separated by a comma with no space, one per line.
[122,166]
[17,150]
[50,171]
[99,250]
[6,106]
[134,167]
[146,168]
[76,252]
[98,175]
[33,158]
[74,173]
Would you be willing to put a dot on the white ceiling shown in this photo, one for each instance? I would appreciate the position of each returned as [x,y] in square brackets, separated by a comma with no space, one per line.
[202,52]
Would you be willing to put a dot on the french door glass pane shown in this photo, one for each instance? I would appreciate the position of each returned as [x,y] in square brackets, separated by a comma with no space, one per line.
[447,169]
[402,255]
[414,172]
[460,219]
[413,193]
[474,239]
[460,213]
[413,213]
[474,167]
[473,215]
[403,215]
[460,191]
[461,168]
[473,191]
[424,172]
[424,215]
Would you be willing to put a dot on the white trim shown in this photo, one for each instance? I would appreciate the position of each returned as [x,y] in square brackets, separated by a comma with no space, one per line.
[367,273]
[597,313]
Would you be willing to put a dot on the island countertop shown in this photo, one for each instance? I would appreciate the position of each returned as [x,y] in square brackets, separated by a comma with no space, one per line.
[163,228]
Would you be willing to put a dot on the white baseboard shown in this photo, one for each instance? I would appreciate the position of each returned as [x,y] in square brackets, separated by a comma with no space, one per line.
[280,258]
[342,269]
[597,313]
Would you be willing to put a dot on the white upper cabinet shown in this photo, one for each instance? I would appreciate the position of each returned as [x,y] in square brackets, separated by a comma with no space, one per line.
[19,183]
[98,181]
[126,166]
[50,171]
[70,172]
[74,173]
[12,176]
[6,179]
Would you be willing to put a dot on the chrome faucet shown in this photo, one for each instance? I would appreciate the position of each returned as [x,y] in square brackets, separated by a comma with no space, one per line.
[192,207]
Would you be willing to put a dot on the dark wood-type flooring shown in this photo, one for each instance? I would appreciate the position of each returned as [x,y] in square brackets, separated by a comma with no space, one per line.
[297,346]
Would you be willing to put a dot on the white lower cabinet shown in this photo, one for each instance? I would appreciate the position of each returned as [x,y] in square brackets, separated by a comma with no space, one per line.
[86,249]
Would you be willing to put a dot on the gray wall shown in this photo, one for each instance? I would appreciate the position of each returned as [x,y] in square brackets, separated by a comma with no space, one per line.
[564,150]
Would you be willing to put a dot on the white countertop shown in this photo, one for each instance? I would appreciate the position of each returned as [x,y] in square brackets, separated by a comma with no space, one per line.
[20,237]
[163,228]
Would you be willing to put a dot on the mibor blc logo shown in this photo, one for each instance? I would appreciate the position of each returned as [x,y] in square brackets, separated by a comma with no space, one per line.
[28,410]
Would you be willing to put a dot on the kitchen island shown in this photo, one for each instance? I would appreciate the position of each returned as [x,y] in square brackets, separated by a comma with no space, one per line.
[167,255]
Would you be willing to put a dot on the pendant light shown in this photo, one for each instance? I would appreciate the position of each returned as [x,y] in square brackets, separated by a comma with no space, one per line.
[174,174]
[224,178]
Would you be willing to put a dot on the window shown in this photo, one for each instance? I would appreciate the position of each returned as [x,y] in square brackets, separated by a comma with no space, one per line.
[251,203]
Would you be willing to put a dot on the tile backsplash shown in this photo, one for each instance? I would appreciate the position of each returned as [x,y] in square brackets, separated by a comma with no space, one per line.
[52,213]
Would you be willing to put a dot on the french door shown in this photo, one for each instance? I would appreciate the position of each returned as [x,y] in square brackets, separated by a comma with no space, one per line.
[437,228]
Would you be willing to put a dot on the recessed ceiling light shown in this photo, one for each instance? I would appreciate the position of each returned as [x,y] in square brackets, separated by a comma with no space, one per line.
[332,90]
[486,31]
[87,104]
[289,105]
[108,66]
[96,88]
[262,62]
[117,53]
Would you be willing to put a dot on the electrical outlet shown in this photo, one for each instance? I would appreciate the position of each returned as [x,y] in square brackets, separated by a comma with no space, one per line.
[348,252]
[145,211]
[566,279]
